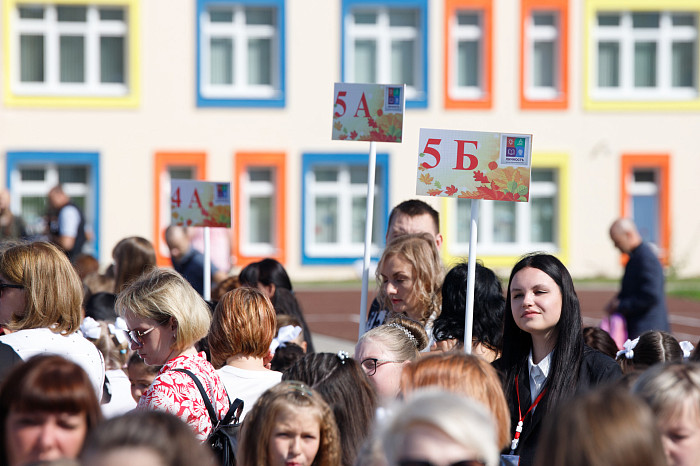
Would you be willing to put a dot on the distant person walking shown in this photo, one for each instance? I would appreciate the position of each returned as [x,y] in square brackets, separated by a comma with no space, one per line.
[641,300]
[67,228]
[187,261]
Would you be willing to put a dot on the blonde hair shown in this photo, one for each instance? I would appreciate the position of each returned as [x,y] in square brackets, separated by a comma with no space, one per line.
[244,323]
[669,388]
[53,292]
[464,374]
[401,336]
[161,294]
[420,252]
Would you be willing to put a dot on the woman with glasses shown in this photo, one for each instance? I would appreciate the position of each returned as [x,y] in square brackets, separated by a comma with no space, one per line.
[385,350]
[166,317]
[40,309]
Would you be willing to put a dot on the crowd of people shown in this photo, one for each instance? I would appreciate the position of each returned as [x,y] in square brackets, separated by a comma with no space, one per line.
[131,365]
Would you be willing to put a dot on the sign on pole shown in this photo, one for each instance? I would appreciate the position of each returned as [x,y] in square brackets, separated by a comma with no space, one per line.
[474,165]
[368,112]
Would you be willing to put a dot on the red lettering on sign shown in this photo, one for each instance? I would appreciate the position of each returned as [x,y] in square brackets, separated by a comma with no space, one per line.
[341,102]
[176,198]
[432,151]
[195,197]
[362,106]
[473,161]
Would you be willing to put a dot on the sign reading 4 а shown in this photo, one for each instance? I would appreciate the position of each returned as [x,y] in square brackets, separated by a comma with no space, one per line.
[200,203]
[474,165]
[368,112]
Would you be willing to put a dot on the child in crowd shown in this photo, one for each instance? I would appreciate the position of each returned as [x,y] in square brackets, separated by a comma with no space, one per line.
[646,350]
[141,375]
[289,345]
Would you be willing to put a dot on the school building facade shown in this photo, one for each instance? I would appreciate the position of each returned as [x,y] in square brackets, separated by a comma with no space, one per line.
[114,98]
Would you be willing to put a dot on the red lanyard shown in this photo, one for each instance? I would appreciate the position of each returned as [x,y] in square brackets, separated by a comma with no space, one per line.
[519,429]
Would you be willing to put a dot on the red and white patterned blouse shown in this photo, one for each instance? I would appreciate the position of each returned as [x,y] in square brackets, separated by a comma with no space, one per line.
[176,393]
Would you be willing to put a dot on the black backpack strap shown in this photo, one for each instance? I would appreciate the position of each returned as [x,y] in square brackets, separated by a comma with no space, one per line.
[205,397]
[234,412]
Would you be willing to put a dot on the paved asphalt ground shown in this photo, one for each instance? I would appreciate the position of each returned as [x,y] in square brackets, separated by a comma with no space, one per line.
[333,315]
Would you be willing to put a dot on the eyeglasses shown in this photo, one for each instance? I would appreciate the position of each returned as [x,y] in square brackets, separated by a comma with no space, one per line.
[7,285]
[370,364]
[136,336]
[410,462]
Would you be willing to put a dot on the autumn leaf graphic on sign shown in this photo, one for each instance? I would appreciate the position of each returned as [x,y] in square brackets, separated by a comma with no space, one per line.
[338,125]
[427,179]
[434,192]
[450,190]
[480,177]
[353,135]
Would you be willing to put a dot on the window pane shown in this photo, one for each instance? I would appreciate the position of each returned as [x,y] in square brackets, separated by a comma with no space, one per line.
[259,16]
[645,64]
[365,61]
[72,59]
[112,59]
[682,20]
[259,174]
[542,175]
[543,64]
[468,19]
[31,12]
[72,13]
[32,174]
[259,222]
[326,174]
[365,17]
[260,61]
[645,20]
[402,18]
[181,173]
[503,222]
[542,218]
[221,16]
[608,19]
[326,221]
[464,209]
[68,174]
[644,176]
[402,62]
[359,217]
[358,174]
[608,64]
[543,19]
[221,61]
[468,63]
[33,210]
[31,50]
[683,64]
[111,14]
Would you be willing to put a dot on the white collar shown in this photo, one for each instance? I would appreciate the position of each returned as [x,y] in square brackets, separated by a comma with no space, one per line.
[542,367]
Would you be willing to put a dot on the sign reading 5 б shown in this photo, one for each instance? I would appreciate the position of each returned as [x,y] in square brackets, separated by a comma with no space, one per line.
[368,112]
[474,165]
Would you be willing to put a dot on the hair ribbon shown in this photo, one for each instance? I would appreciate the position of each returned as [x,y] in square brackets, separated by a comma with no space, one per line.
[284,335]
[90,328]
[687,348]
[628,348]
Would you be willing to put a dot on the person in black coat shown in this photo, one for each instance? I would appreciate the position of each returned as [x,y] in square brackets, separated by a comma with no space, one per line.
[544,359]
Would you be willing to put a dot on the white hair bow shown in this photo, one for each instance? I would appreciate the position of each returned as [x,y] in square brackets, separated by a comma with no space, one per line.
[90,328]
[284,335]
[687,348]
[628,348]
[119,330]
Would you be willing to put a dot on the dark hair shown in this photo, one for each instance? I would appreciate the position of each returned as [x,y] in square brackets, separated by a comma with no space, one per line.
[249,275]
[348,391]
[100,306]
[133,256]
[271,271]
[286,356]
[653,346]
[48,383]
[568,348]
[135,360]
[489,304]
[414,208]
[167,436]
[600,340]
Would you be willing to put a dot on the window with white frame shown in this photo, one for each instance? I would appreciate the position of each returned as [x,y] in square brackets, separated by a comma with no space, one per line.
[467,52]
[69,50]
[542,78]
[240,56]
[257,206]
[385,45]
[513,228]
[648,55]
[336,209]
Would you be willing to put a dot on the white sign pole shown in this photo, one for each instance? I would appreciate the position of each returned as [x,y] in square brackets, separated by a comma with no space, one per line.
[368,233]
[471,270]
[207,263]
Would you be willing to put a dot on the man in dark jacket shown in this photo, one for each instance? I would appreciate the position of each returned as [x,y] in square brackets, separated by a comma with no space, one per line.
[68,227]
[641,300]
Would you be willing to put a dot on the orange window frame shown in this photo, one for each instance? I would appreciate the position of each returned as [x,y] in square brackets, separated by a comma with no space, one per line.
[163,161]
[660,162]
[451,9]
[527,7]
[244,161]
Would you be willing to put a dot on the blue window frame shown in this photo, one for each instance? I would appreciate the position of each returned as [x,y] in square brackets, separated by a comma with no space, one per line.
[240,53]
[30,175]
[387,42]
[334,197]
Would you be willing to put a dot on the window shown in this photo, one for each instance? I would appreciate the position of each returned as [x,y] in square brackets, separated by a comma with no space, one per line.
[32,174]
[260,216]
[72,50]
[387,44]
[645,187]
[544,42]
[169,166]
[510,229]
[334,207]
[241,53]
[645,55]
[468,54]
